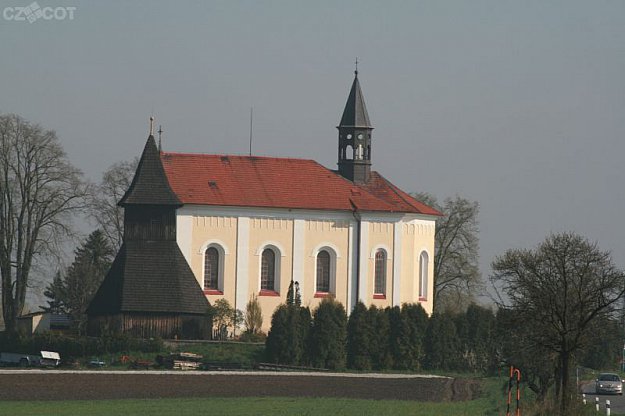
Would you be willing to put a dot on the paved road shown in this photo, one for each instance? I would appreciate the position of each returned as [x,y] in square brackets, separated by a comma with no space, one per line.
[224,373]
[617,403]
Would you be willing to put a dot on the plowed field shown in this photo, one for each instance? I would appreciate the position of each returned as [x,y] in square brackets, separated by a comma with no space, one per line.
[39,385]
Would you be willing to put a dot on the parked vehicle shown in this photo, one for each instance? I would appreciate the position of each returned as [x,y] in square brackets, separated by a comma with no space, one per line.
[46,359]
[21,360]
[50,359]
[609,383]
[96,362]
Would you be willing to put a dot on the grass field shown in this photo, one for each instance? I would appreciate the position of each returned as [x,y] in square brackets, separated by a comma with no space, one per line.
[245,406]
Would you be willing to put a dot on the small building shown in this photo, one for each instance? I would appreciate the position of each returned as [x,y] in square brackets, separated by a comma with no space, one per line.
[202,227]
[39,322]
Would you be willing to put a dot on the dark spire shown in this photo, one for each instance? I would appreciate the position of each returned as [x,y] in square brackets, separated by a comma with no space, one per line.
[150,185]
[355,113]
[355,136]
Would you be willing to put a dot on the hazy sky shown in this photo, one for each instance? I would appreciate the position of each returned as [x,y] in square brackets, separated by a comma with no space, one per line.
[518,105]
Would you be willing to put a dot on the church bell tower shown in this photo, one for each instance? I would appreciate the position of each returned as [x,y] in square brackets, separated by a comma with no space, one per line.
[355,137]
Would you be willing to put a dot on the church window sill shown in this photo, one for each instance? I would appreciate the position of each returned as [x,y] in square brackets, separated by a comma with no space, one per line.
[323,294]
[265,292]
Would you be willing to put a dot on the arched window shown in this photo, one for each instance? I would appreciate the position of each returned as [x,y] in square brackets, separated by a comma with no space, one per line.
[211,269]
[423,275]
[323,272]
[380,273]
[268,270]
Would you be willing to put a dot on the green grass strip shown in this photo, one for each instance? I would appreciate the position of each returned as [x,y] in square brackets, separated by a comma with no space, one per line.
[244,406]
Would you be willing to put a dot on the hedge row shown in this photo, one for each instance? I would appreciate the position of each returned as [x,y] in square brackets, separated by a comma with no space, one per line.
[382,339]
[73,347]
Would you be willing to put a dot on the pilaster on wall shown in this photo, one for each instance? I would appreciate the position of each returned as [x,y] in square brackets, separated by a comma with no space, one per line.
[243,270]
[352,277]
[364,262]
[298,253]
[397,248]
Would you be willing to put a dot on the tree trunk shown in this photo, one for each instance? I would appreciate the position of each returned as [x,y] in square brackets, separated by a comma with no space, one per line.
[8,313]
[557,376]
[564,382]
[8,302]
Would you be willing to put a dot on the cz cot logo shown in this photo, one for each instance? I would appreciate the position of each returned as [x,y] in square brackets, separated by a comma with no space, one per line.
[34,12]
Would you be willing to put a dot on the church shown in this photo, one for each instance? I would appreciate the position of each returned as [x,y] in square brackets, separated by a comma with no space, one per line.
[201,227]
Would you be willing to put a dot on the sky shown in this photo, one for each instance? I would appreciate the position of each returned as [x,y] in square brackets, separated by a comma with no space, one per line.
[517,105]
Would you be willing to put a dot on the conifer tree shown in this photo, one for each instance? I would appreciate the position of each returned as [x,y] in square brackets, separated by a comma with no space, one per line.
[293,295]
[72,291]
[359,338]
[55,291]
[253,316]
[441,349]
[290,294]
[285,342]
[329,335]
[475,333]
[379,344]
[298,295]
[304,331]
[277,344]
[414,323]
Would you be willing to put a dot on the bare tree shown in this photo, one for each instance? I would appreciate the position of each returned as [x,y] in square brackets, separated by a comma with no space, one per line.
[559,290]
[456,272]
[39,191]
[106,214]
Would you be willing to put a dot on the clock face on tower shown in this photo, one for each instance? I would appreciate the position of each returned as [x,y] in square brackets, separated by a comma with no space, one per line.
[360,136]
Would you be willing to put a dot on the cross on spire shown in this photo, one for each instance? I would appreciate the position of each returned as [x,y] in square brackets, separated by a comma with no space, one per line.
[356,63]
[160,133]
[151,125]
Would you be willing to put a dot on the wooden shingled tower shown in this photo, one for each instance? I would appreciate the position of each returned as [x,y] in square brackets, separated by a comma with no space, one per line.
[150,289]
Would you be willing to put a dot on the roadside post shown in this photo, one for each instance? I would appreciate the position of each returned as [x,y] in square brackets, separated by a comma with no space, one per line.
[597,403]
[607,408]
[515,373]
[584,398]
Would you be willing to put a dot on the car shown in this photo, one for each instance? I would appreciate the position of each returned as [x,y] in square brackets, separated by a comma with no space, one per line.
[609,383]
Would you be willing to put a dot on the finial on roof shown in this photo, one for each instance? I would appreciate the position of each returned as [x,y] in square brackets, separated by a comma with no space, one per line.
[356,71]
[151,125]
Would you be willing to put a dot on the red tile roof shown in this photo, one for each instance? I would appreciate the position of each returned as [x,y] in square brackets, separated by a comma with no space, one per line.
[252,181]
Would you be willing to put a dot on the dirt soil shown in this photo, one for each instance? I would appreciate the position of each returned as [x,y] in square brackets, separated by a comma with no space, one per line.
[31,385]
